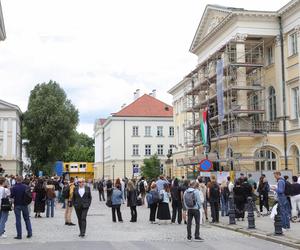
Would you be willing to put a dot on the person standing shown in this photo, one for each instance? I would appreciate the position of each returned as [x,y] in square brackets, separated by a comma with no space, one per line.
[224,199]
[239,200]
[282,200]
[142,185]
[263,191]
[176,202]
[214,198]
[191,199]
[82,199]
[100,187]
[295,198]
[152,200]
[163,213]
[116,201]
[40,198]
[69,203]
[131,200]
[51,194]
[18,193]
[4,193]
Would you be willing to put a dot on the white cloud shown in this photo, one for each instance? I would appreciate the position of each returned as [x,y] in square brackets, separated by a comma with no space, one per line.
[100,51]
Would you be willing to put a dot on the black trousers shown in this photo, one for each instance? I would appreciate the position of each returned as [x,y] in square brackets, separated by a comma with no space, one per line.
[133,213]
[214,206]
[153,208]
[101,194]
[176,209]
[193,213]
[264,202]
[114,209]
[81,216]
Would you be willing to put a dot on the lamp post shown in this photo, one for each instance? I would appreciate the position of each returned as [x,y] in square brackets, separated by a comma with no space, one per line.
[113,168]
[133,166]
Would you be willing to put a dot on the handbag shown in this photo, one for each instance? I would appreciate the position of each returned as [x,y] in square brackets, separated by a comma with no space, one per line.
[139,201]
[5,203]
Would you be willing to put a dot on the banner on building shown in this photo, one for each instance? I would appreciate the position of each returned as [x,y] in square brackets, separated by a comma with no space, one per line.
[204,127]
[220,94]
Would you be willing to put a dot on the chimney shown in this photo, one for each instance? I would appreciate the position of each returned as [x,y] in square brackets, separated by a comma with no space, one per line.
[151,94]
[123,106]
[154,93]
[137,93]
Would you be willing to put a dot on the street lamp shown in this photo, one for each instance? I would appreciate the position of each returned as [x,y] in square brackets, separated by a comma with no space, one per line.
[113,168]
[133,166]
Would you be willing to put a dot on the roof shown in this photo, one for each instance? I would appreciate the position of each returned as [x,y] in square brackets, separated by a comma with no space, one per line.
[146,106]
[7,105]
[2,28]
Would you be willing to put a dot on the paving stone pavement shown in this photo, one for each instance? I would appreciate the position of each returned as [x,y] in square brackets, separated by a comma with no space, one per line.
[51,233]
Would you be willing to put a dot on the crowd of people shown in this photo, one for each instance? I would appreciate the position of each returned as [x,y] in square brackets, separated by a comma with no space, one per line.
[169,200]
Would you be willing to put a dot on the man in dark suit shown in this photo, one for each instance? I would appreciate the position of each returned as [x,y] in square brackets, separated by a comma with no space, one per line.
[82,199]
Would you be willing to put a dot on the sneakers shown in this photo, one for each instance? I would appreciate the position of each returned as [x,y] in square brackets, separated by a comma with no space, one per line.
[3,236]
[199,239]
[189,238]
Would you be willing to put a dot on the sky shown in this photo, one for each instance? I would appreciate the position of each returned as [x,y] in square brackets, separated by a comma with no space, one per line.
[101,51]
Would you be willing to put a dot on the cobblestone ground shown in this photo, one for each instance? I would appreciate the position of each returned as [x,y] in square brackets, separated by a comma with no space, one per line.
[51,233]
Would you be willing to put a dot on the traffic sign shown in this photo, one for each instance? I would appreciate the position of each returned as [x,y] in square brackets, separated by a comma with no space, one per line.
[205,165]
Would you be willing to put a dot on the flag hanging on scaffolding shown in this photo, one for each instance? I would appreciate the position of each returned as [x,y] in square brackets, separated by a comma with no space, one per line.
[220,95]
[204,126]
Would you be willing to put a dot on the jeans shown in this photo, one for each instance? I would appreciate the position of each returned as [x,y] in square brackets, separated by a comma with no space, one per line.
[193,213]
[24,209]
[117,208]
[224,206]
[101,195]
[50,205]
[133,213]
[284,207]
[3,219]
[153,208]
[176,207]
[81,216]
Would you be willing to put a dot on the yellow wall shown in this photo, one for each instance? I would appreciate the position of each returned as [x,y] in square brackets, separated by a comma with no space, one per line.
[74,169]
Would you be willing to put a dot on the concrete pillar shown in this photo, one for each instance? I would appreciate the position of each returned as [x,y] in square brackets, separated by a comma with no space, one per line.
[241,71]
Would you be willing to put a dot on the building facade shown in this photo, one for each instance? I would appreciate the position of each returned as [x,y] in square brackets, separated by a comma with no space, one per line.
[137,131]
[10,138]
[247,79]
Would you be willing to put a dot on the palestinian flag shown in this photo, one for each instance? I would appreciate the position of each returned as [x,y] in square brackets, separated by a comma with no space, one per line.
[204,126]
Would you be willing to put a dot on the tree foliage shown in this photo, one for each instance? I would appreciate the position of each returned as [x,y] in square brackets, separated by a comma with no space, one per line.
[50,123]
[82,150]
[151,167]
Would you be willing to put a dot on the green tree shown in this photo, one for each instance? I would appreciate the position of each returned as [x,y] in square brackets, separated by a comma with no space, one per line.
[50,123]
[82,150]
[151,167]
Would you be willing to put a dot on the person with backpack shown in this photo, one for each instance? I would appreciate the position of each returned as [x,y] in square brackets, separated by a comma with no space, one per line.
[116,201]
[152,201]
[213,194]
[282,200]
[69,191]
[20,194]
[100,188]
[176,202]
[163,212]
[192,202]
[263,192]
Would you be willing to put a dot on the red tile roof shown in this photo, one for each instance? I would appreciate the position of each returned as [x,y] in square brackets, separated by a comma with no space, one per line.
[146,106]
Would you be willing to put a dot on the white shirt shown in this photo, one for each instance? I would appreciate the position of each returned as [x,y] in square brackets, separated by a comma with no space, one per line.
[81,191]
[4,192]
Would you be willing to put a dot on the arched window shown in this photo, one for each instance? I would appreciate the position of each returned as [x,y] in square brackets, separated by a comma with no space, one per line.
[296,157]
[265,159]
[272,104]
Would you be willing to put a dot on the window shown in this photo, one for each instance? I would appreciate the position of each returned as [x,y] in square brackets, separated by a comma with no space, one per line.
[265,160]
[135,149]
[293,44]
[269,55]
[161,168]
[171,131]
[159,131]
[160,149]
[295,103]
[171,149]
[147,131]
[297,158]
[135,131]
[147,149]
[272,104]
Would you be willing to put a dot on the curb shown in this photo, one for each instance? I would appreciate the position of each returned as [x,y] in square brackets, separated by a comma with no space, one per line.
[274,239]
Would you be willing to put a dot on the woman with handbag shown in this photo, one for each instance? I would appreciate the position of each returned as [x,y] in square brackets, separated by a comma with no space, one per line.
[5,206]
[132,200]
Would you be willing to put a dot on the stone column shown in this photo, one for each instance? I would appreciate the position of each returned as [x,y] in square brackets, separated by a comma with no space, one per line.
[241,71]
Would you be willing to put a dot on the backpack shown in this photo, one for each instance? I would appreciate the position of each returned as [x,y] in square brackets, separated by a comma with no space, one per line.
[50,193]
[288,188]
[267,187]
[155,197]
[66,192]
[149,199]
[141,187]
[27,196]
[189,199]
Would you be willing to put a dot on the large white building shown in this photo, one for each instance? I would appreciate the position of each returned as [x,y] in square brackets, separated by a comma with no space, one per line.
[137,131]
[10,137]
